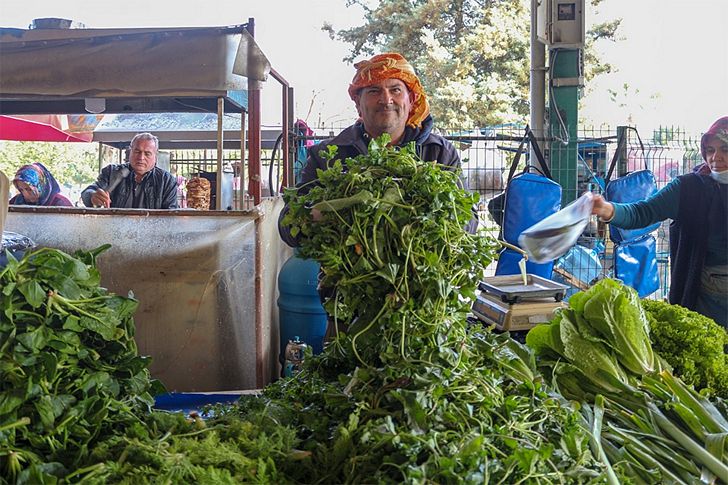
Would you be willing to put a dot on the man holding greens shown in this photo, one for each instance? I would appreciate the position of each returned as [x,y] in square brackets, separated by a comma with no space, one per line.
[389,99]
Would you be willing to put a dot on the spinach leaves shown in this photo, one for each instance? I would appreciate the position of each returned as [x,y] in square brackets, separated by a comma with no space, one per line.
[69,368]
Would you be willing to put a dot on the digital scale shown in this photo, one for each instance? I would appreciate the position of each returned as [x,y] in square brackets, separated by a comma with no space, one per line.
[509,304]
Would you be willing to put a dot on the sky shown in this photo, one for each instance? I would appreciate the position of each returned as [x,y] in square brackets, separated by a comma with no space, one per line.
[673,55]
[674,58]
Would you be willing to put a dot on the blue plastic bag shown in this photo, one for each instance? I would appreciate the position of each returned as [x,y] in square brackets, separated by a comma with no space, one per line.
[633,187]
[635,264]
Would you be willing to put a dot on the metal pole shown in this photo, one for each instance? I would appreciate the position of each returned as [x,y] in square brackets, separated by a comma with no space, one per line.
[537,84]
[254,168]
[220,154]
[242,194]
[292,152]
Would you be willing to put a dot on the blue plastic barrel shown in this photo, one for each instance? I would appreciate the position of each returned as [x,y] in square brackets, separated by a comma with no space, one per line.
[299,305]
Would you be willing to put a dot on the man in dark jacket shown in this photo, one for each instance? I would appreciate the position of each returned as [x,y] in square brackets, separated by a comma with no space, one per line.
[389,99]
[137,184]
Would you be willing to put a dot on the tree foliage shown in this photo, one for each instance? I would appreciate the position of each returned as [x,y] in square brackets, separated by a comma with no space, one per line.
[72,164]
[472,56]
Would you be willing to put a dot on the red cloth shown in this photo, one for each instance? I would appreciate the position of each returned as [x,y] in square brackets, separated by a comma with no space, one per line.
[719,129]
[392,66]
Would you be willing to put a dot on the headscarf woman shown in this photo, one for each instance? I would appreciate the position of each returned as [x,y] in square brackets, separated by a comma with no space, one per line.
[36,186]
[697,203]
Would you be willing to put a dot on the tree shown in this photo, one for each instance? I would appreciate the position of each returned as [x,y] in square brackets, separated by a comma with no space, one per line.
[471,55]
[72,164]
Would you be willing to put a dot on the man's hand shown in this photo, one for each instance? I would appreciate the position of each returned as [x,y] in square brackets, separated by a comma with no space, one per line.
[316,215]
[101,198]
[602,208]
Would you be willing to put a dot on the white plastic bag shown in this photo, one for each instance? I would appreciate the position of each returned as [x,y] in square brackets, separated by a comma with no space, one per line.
[552,237]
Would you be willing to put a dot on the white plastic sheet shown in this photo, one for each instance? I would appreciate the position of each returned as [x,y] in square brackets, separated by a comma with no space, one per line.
[552,237]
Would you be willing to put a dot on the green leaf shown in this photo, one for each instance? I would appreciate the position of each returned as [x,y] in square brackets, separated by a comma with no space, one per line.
[11,400]
[614,311]
[35,339]
[44,407]
[33,293]
[108,330]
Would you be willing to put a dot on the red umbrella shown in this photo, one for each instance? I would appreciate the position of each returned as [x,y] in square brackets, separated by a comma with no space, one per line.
[20,129]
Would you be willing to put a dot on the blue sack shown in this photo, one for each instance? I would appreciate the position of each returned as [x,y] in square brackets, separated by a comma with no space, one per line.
[529,198]
[635,264]
[633,187]
[635,256]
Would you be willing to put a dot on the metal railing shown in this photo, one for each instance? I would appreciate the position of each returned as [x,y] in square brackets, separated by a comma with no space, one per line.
[487,153]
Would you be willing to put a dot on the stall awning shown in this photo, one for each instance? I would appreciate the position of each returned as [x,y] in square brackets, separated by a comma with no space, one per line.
[132,70]
[20,129]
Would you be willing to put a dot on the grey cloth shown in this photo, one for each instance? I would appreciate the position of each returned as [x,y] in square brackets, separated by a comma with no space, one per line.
[714,280]
[157,190]
[354,141]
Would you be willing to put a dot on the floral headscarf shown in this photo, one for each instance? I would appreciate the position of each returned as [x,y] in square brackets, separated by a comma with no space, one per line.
[718,129]
[41,181]
[392,66]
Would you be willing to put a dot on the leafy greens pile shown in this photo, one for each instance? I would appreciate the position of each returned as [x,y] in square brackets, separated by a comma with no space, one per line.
[392,248]
[643,419]
[75,396]
[69,368]
[408,392]
[693,345]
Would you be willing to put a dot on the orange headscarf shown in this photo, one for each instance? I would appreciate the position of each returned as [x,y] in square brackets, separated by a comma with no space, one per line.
[392,66]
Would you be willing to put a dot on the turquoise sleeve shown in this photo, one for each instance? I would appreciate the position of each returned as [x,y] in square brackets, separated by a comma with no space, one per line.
[663,205]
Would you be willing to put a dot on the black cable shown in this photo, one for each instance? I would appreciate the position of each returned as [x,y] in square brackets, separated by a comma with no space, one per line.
[276,146]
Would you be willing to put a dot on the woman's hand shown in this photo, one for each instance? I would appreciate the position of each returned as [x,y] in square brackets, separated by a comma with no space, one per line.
[602,208]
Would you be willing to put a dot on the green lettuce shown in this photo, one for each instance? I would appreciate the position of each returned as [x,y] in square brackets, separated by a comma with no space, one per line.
[693,344]
[613,311]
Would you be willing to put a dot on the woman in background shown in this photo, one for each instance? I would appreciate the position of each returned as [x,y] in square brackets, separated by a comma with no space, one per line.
[36,186]
[697,203]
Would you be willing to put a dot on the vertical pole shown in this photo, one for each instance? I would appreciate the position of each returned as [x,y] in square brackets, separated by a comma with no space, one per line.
[292,152]
[622,157]
[285,123]
[537,82]
[564,118]
[254,168]
[220,153]
[242,183]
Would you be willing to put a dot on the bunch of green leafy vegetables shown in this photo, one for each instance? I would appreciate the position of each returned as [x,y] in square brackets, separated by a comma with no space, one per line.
[69,367]
[171,448]
[407,392]
[75,396]
[643,419]
[693,345]
[391,240]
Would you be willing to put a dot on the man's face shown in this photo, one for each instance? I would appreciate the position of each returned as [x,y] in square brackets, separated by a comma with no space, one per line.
[384,107]
[143,157]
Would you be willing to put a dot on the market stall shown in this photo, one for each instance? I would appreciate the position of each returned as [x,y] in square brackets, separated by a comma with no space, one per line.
[222,265]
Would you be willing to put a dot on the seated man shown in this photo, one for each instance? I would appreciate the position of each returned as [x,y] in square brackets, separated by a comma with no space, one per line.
[389,99]
[137,184]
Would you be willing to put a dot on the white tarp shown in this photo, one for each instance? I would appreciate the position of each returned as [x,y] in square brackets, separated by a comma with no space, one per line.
[128,62]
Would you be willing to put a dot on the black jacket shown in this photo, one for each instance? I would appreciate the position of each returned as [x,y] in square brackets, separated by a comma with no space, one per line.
[354,141]
[703,207]
[158,188]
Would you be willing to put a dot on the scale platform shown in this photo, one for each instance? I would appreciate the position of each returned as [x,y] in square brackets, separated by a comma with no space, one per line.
[510,305]
[511,289]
